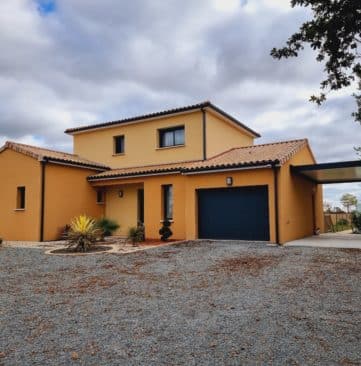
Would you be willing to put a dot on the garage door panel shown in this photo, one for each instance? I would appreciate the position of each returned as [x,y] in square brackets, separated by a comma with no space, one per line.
[233,213]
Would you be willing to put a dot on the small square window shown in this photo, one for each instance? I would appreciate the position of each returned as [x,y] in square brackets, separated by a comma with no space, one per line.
[118,144]
[100,196]
[171,136]
[20,198]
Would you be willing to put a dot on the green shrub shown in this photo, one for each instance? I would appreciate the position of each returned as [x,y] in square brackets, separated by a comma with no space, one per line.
[107,226]
[342,222]
[136,234]
[165,231]
[83,233]
[356,221]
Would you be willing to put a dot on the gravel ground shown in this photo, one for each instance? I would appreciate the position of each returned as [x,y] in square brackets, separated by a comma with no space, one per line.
[202,303]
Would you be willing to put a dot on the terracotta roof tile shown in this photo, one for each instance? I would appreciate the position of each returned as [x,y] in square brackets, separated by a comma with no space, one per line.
[40,153]
[255,155]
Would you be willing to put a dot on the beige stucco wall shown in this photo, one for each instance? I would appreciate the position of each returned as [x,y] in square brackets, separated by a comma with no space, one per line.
[142,142]
[124,210]
[67,194]
[19,170]
[223,135]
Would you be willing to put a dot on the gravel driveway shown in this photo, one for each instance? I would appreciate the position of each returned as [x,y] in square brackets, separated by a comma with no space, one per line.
[202,303]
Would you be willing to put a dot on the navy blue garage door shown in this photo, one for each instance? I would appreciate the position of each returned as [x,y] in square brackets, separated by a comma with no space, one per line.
[233,213]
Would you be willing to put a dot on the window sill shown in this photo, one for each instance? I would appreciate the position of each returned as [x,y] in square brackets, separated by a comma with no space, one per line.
[169,147]
[171,221]
[100,203]
[120,154]
[19,209]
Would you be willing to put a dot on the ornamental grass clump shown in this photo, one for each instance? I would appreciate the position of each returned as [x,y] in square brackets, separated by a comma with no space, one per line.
[107,226]
[136,234]
[83,233]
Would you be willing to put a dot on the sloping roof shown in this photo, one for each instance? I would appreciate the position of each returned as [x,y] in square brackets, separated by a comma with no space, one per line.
[189,108]
[40,153]
[256,155]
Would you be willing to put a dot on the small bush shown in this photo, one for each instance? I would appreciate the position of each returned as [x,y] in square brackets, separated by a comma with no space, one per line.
[83,233]
[107,226]
[342,222]
[165,231]
[136,234]
[356,221]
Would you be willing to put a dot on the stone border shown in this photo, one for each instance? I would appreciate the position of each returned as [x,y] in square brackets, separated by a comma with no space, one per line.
[49,252]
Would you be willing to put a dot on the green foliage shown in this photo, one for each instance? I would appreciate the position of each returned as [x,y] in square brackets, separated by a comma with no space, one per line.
[83,233]
[356,221]
[342,222]
[136,234]
[165,231]
[348,200]
[107,226]
[335,34]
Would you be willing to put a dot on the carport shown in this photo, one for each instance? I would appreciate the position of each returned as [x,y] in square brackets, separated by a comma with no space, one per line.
[330,173]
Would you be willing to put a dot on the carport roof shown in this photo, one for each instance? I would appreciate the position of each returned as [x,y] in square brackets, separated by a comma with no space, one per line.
[327,173]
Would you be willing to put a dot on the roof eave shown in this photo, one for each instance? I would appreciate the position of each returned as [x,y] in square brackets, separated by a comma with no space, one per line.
[189,171]
[164,114]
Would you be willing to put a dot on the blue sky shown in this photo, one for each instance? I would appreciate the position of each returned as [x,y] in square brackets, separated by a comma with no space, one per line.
[46,6]
[75,62]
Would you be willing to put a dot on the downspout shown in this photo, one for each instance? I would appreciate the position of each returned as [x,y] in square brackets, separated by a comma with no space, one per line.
[275,175]
[204,129]
[42,199]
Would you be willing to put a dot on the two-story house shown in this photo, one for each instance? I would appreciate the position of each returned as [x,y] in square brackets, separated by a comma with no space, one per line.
[195,166]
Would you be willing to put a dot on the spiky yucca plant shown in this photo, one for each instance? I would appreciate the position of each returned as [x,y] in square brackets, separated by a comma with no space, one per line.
[83,233]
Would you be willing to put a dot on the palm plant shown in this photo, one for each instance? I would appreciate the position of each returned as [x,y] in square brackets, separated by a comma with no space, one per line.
[83,233]
[107,226]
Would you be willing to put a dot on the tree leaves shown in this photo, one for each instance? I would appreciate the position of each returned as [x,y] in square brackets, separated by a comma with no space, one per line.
[335,34]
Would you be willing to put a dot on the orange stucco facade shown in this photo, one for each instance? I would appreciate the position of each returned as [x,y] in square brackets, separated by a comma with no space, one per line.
[294,203]
[67,194]
[297,216]
[18,170]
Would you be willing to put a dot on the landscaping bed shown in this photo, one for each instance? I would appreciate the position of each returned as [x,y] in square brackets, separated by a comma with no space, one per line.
[198,303]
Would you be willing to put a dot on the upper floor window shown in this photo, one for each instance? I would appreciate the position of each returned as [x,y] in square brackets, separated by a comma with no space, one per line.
[171,136]
[20,198]
[118,144]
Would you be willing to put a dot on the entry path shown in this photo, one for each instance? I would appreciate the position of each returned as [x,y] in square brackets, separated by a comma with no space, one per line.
[342,239]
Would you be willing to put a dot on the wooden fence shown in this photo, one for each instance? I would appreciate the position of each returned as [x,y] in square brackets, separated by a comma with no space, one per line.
[333,223]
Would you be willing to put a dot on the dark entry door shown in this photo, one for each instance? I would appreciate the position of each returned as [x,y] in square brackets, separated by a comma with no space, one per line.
[141,205]
[233,213]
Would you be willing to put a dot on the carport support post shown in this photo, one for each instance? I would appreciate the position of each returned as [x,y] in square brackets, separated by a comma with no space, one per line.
[42,199]
[275,186]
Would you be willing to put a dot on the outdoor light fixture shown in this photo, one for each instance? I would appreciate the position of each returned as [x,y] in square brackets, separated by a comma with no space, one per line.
[229,181]
[120,193]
